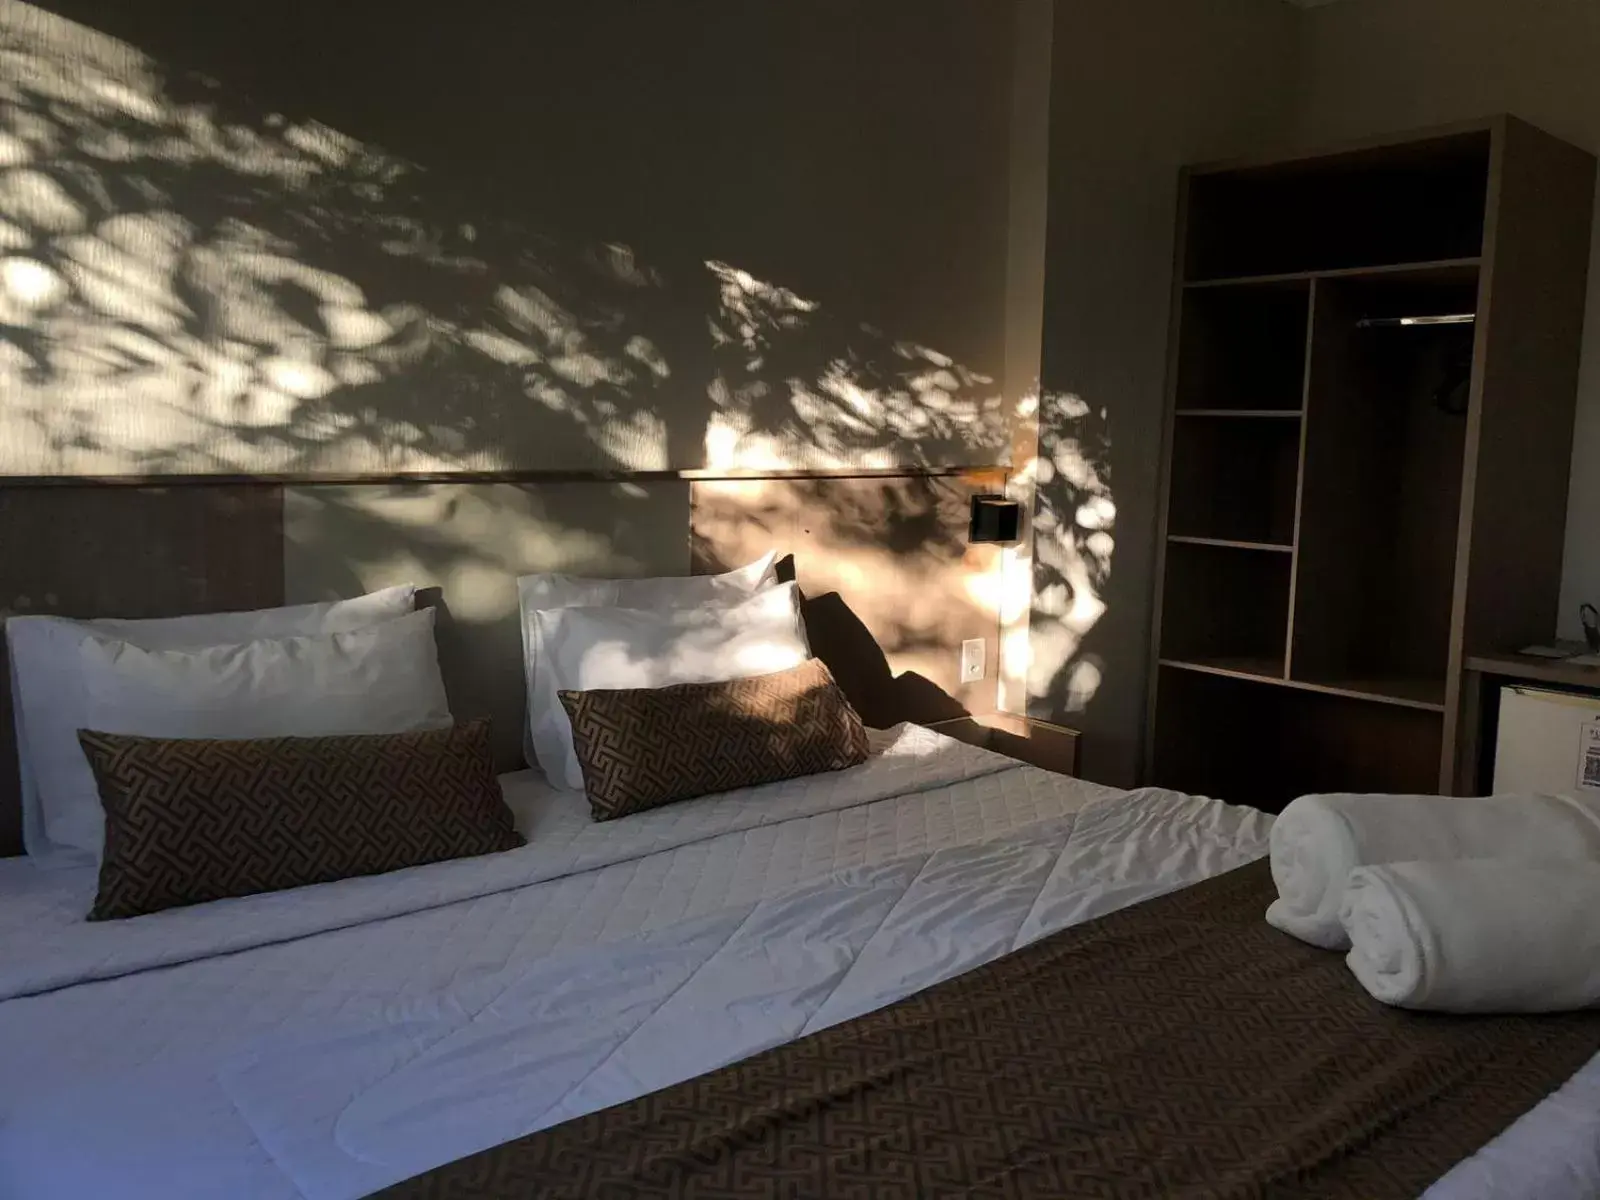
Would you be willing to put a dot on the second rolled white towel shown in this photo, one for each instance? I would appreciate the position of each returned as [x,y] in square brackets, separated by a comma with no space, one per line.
[1476,936]
[1318,840]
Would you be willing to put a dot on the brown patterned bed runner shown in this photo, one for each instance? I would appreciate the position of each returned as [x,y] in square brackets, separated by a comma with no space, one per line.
[1179,1048]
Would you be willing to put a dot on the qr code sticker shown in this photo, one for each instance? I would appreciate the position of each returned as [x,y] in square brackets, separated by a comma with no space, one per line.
[1589,756]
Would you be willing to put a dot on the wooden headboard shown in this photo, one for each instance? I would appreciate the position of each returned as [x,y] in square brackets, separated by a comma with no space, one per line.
[892,587]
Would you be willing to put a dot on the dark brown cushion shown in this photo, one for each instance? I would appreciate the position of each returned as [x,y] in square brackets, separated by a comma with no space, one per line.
[190,820]
[644,747]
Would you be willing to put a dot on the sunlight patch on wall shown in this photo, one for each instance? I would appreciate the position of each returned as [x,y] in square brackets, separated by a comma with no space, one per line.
[1016,561]
[30,285]
[887,559]
[868,407]
[1074,544]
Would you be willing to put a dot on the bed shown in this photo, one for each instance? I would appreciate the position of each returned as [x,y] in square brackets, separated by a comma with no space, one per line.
[334,1040]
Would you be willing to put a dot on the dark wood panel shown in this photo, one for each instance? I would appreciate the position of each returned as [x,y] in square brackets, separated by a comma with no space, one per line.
[892,587]
[1519,434]
[90,551]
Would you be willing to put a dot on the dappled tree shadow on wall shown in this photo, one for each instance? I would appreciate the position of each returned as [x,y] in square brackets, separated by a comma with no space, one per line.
[190,287]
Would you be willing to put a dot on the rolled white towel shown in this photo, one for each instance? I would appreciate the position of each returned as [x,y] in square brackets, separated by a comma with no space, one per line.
[1476,935]
[1319,840]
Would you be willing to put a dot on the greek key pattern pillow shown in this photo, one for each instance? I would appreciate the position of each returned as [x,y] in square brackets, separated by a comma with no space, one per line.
[191,820]
[641,748]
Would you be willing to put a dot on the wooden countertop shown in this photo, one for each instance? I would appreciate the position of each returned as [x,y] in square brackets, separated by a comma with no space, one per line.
[1541,670]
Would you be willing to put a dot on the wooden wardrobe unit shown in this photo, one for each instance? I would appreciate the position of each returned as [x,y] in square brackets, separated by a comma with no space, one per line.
[1362,486]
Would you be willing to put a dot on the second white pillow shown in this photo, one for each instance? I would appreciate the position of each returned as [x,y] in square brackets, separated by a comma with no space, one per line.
[542,592]
[384,679]
[583,649]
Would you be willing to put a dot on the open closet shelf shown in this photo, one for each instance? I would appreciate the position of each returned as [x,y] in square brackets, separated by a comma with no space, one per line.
[1426,695]
[1254,668]
[1438,267]
[1226,544]
[1334,541]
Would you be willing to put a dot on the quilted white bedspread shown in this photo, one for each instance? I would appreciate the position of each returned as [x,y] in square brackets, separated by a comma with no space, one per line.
[329,1041]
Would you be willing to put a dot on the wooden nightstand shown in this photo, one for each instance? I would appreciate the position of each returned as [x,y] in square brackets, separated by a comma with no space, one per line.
[1037,743]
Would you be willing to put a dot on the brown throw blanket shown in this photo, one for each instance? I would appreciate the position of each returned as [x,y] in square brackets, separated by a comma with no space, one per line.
[1179,1048]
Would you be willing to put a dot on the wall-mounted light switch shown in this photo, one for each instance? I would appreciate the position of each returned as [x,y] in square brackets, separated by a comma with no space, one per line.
[972,661]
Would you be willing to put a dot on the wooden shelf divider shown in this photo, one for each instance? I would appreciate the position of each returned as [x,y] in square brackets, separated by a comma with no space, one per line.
[1225,544]
[1422,694]
[1437,266]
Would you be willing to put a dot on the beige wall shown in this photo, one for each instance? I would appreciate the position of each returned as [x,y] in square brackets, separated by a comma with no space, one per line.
[1140,88]
[356,238]
[1028,231]
[1371,66]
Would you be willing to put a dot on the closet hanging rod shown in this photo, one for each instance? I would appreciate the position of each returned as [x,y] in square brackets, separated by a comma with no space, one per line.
[1415,322]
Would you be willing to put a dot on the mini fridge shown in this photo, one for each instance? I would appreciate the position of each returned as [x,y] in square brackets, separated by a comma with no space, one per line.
[1549,742]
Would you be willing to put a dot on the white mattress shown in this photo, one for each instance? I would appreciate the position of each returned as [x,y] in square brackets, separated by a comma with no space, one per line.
[325,1042]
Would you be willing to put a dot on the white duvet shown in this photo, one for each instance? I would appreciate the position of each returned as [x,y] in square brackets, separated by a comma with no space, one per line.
[330,1041]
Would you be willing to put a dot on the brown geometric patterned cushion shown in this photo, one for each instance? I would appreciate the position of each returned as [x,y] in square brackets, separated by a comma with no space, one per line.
[641,748]
[192,820]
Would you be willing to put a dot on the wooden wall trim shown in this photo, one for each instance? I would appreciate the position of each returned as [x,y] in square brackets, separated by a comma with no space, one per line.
[1519,432]
[691,475]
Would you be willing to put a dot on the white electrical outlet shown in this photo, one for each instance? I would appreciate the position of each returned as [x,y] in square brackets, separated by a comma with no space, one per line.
[972,661]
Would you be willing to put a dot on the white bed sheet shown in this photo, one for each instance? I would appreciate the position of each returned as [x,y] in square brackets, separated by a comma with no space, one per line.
[314,1063]
[42,916]
[123,1095]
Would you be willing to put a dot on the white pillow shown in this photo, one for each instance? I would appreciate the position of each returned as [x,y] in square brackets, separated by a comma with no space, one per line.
[587,648]
[540,593]
[384,679]
[59,821]
[379,680]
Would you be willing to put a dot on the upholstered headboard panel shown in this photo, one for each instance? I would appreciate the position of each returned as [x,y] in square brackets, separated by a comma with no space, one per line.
[466,543]
[892,587]
[84,550]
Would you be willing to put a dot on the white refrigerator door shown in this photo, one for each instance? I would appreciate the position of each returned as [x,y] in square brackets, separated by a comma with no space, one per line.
[1549,743]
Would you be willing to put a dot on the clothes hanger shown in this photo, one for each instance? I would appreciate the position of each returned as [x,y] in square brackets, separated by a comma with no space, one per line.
[1416,322]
